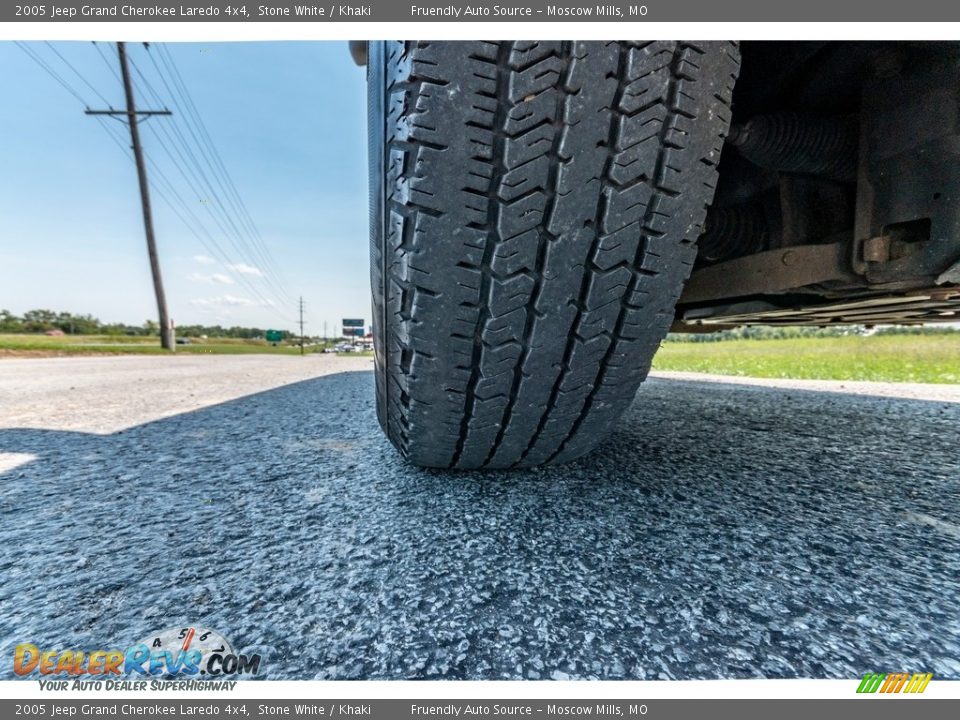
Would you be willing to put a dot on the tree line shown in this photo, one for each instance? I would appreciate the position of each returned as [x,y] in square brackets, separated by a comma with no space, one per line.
[41,321]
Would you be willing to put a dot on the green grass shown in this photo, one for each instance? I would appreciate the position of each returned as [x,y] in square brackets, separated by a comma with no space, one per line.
[113,344]
[884,358]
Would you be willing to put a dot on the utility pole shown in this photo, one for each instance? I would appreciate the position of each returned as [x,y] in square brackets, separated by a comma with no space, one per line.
[301,324]
[133,115]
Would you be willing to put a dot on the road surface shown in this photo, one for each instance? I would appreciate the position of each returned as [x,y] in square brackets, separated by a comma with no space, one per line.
[727,529]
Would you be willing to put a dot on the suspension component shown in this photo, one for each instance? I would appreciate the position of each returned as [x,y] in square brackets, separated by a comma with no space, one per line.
[731,232]
[800,143]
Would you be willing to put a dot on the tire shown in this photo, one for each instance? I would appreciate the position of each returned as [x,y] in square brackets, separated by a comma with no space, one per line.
[534,213]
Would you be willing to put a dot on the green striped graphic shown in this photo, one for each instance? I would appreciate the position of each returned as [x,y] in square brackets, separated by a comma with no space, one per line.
[871,682]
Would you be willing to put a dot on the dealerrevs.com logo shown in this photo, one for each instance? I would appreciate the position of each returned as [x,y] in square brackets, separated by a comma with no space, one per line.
[190,651]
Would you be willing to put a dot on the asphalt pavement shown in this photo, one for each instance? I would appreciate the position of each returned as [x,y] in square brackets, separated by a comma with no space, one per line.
[725,530]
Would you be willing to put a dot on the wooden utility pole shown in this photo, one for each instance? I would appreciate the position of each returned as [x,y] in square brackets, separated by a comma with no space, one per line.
[301,324]
[133,115]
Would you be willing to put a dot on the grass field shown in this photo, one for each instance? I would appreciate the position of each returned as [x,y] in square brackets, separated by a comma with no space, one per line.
[933,358]
[113,344]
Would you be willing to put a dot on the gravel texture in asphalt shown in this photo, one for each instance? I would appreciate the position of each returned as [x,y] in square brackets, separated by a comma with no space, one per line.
[725,530]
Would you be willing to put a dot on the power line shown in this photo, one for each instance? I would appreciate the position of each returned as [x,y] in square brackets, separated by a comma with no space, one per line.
[77,73]
[213,247]
[203,177]
[190,161]
[220,171]
[217,160]
[190,177]
[219,167]
[106,62]
[33,55]
[168,193]
[194,224]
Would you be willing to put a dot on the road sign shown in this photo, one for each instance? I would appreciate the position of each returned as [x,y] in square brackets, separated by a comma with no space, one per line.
[274,335]
[352,322]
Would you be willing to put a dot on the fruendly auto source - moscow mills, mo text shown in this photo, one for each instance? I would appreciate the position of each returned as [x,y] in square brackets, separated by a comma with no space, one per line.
[456,11]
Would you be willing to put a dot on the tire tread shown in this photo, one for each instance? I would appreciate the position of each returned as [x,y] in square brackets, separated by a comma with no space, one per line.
[526,257]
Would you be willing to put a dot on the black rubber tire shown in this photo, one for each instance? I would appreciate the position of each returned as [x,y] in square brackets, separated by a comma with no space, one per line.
[534,213]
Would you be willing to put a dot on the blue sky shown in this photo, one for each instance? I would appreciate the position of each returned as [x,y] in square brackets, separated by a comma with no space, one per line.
[288,121]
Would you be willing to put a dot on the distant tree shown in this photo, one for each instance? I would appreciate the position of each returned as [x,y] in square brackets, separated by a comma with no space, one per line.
[78,324]
[10,323]
[217,331]
[39,320]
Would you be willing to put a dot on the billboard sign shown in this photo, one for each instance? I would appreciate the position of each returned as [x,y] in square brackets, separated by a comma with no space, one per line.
[353,327]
